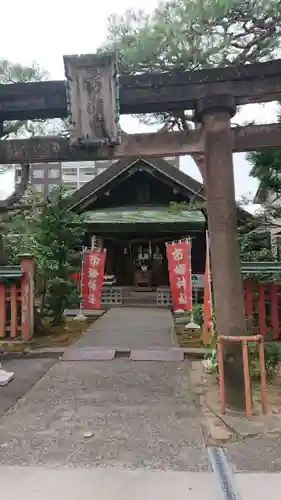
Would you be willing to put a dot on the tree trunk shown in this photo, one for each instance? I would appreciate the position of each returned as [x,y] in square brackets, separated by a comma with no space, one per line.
[225,261]
[39,327]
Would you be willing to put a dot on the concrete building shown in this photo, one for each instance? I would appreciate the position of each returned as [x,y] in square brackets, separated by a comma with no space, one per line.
[45,176]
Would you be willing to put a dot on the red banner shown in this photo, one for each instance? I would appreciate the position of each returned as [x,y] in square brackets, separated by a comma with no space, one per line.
[179,264]
[207,289]
[92,278]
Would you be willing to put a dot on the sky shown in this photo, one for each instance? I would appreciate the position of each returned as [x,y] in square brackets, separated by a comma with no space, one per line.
[36,30]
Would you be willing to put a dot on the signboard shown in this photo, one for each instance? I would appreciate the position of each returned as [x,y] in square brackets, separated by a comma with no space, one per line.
[92,94]
[92,278]
[197,281]
[179,264]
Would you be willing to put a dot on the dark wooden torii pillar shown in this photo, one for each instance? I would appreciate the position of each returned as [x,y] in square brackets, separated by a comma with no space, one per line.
[215,114]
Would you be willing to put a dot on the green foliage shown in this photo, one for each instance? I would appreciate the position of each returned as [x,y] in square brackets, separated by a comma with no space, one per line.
[19,229]
[272,358]
[196,315]
[256,244]
[60,233]
[254,235]
[192,34]
[53,234]
[267,169]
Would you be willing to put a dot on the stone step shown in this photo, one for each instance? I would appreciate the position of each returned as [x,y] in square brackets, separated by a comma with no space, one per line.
[151,298]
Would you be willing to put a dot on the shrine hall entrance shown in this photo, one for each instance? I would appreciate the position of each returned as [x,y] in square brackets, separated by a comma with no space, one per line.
[140,261]
[141,264]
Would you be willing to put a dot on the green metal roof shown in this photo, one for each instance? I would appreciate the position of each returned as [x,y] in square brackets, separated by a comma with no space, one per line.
[10,272]
[143,215]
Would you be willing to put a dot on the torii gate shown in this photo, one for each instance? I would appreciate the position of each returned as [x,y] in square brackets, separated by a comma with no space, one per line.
[93,96]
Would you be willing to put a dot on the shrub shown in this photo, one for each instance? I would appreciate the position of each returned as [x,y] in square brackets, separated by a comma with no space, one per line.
[272,359]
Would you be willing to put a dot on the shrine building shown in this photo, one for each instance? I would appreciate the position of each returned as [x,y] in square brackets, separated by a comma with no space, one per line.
[132,209]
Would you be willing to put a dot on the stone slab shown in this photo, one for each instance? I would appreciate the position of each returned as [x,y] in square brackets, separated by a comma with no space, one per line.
[104,484]
[92,354]
[157,355]
[94,313]
[31,483]
[258,486]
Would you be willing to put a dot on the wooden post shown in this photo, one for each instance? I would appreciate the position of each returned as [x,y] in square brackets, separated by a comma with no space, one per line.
[248,284]
[2,310]
[247,379]
[221,376]
[263,378]
[13,306]
[215,114]
[261,309]
[27,297]
[243,340]
[274,311]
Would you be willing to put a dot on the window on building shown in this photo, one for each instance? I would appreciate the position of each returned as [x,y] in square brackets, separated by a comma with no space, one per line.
[69,171]
[39,187]
[38,173]
[87,171]
[54,173]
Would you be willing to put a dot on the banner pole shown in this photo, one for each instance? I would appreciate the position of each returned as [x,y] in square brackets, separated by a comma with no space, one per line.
[190,278]
[191,325]
[81,316]
[208,327]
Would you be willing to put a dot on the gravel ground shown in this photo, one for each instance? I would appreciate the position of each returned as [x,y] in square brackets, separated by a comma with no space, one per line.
[256,454]
[140,414]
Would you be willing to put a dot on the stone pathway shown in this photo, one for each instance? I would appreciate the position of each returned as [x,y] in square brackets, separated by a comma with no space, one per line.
[130,328]
[141,416]
[81,484]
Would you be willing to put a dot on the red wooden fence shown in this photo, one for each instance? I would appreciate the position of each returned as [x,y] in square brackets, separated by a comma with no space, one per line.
[17,304]
[263,308]
[262,304]
[10,310]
